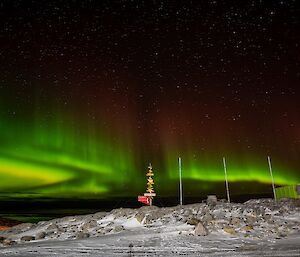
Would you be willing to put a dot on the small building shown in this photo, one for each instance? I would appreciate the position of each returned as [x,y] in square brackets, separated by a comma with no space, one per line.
[288,192]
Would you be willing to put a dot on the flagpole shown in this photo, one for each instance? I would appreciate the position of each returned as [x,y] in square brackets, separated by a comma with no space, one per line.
[226,180]
[180,181]
[272,178]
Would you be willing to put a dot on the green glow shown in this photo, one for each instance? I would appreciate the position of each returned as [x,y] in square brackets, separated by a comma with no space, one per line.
[209,168]
[63,160]
[24,174]
[63,157]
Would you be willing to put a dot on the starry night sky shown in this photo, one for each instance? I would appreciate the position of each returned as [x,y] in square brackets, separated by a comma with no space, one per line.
[92,91]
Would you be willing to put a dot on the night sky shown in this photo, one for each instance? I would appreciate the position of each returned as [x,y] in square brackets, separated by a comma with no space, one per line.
[92,91]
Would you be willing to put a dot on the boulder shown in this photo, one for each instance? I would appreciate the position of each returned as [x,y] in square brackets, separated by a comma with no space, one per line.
[230,230]
[99,215]
[40,235]
[152,213]
[207,218]
[81,235]
[192,221]
[247,228]
[267,217]
[118,228]
[122,212]
[100,231]
[281,235]
[187,212]
[220,215]
[2,239]
[52,227]
[235,221]
[107,230]
[9,242]
[223,200]
[250,219]
[211,200]
[27,238]
[89,225]
[200,230]
[140,216]
[260,211]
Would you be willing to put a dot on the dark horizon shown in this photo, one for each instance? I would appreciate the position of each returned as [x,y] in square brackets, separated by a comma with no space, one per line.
[40,210]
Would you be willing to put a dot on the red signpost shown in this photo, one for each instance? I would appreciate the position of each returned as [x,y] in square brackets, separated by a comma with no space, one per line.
[144,199]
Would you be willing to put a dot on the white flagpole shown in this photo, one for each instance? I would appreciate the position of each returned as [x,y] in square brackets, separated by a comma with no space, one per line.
[226,180]
[180,181]
[271,173]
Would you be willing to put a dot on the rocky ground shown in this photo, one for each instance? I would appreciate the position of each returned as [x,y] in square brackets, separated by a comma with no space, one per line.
[221,226]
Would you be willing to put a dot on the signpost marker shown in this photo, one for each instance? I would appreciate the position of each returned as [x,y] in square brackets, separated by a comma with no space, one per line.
[148,196]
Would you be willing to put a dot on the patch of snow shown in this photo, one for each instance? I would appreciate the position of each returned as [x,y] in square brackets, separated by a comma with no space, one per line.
[131,223]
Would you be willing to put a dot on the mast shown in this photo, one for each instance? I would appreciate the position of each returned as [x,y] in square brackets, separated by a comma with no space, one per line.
[180,181]
[226,180]
[272,178]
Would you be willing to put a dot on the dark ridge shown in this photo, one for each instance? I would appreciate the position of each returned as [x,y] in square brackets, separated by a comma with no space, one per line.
[46,209]
[5,222]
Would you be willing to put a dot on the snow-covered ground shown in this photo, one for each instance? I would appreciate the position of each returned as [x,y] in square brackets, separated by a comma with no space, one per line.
[255,228]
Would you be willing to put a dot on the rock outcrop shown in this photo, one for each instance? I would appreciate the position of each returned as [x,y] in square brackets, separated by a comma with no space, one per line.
[262,218]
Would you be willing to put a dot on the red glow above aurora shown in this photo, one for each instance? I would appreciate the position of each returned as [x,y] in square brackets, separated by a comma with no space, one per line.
[90,93]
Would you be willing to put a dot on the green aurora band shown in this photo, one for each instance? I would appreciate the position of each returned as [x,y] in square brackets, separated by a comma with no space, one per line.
[211,169]
[59,161]
[64,160]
